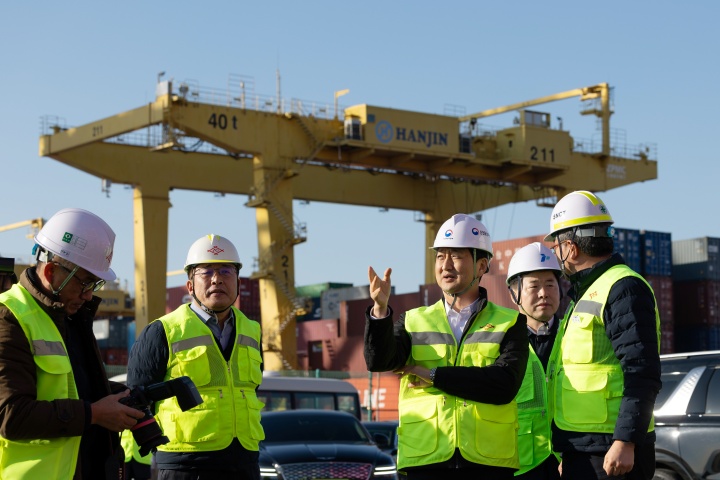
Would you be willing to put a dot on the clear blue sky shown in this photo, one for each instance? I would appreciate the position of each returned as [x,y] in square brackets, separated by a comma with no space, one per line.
[83,61]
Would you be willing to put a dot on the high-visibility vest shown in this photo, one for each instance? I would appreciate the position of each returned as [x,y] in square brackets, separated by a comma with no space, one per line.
[433,423]
[534,444]
[586,380]
[230,405]
[54,458]
[132,449]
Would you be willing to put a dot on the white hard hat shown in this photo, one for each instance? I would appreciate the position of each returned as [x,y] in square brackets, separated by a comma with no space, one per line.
[532,258]
[80,237]
[212,249]
[576,209]
[464,231]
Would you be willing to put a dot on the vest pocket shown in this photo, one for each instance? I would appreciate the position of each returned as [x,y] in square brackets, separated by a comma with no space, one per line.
[578,340]
[418,430]
[52,373]
[583,397]
[495,432]
[248,367]
[526,444]
[198,424]
[194,363]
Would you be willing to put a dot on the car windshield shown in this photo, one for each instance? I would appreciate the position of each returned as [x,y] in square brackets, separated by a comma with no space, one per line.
[313,428]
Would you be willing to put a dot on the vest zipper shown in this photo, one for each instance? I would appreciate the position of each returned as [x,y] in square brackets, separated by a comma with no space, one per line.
[220,392]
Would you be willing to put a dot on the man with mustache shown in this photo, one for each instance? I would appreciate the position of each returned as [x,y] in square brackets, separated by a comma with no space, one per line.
[218,347]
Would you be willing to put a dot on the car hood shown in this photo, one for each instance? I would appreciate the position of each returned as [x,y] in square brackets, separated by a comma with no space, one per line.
[284,453]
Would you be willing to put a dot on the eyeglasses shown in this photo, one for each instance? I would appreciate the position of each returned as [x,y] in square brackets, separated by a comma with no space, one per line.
[86,286]
[208,273]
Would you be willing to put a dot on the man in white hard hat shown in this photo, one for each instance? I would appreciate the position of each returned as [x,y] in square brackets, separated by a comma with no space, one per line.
[462,361]
[219,348]
[58,416]
[533,284]
[604,372]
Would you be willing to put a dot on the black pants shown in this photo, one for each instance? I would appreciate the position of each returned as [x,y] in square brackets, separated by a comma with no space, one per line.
[250,472]
[548,470]
[137,471]
[589,466]
[475,473]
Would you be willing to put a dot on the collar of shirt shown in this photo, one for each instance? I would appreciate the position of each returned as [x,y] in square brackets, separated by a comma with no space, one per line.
[212,323]
[458,320]
[544,329]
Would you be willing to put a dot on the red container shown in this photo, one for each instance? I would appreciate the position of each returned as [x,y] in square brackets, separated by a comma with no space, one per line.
[697,303]
[663,288]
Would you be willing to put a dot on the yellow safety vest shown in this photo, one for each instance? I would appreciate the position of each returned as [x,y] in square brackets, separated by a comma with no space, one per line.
[54,458]
[433,423]
[585,377]
[132,449]
[534,444]
[230,405]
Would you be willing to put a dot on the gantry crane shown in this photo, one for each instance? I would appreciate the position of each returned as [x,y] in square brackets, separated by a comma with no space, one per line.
[275,152]
[35,225]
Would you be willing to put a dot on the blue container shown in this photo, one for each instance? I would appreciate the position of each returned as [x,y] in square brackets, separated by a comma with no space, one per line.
[656,253]
[627,244]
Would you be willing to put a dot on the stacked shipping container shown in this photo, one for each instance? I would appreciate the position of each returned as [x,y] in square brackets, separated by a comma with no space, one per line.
[696,284]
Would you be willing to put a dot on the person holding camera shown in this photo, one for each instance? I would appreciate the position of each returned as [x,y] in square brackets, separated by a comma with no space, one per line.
[219,349]
[59,417]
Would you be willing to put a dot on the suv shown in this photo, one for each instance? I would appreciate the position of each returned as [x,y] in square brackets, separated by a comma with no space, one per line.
[687,417]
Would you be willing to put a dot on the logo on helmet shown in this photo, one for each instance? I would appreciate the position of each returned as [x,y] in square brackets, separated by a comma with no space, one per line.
[67,238]
[602,208]
[448,233]
[475,231]
[215,250]
[544,258]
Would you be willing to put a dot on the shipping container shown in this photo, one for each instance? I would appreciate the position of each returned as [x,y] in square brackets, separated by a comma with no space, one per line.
[330,299]
[663,288]
[316,289]
[656,253]
[503,251]
[696,303]
[694,338]
[696,259]
[667,338]
[627,244]
[696,250]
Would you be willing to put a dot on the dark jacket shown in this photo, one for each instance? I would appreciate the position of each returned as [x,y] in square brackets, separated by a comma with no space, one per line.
[629,319]
[22,417]
[147,365]
[388,347]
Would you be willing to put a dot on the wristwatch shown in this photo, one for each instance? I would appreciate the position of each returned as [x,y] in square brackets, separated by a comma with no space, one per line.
[432,374]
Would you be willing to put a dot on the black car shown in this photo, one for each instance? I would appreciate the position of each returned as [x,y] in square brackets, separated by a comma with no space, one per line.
[687,417]
[320,444]
[388,428]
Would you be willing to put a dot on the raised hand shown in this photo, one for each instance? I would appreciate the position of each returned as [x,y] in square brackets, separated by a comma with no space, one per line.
[379,292]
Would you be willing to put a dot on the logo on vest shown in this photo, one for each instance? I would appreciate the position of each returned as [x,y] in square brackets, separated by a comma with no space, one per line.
[489,326]
[593,295]
[575,318]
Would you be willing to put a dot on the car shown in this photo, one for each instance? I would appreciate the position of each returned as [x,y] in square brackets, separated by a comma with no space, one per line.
[388,428]
[321,444]
[687,417]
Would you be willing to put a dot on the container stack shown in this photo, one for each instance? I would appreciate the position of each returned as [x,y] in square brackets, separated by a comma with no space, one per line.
[656,261]
[696,287]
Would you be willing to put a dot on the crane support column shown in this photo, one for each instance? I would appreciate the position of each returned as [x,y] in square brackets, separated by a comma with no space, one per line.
[151,205]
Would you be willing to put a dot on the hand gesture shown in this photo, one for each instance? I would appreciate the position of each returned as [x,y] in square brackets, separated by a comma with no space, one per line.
[379,292]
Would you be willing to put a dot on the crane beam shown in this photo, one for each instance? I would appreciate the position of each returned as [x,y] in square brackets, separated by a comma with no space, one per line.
[376,157]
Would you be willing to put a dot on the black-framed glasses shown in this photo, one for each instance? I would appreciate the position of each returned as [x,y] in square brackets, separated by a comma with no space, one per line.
[86,286]
[207,273]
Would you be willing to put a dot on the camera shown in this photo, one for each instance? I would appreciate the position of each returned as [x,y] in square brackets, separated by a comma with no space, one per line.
[147,432]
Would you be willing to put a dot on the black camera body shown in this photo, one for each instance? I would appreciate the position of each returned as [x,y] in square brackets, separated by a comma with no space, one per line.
[147,432]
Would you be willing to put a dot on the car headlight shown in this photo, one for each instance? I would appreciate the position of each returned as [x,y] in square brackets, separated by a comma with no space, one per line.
[268,472]
[385,471]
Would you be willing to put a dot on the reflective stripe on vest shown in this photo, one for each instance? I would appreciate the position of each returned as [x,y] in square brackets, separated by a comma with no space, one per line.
[433,423]
[43,458]
[230,405]
[586,379]
[534,444]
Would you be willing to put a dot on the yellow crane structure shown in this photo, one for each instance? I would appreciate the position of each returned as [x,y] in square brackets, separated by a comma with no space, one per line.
[276,151]
[35,225]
